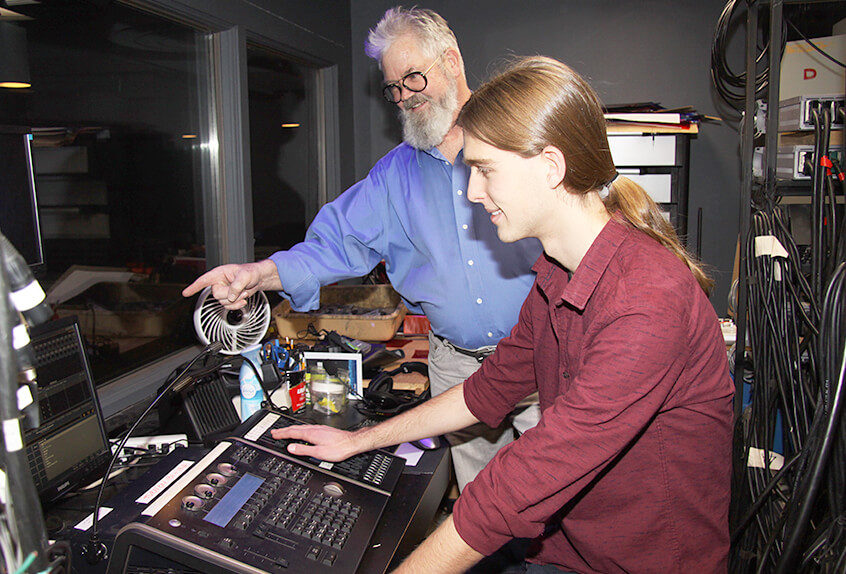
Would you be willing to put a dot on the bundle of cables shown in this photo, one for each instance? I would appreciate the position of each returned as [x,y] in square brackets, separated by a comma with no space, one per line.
[788,513]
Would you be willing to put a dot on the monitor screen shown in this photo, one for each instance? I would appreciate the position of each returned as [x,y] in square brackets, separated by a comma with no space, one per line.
[18,205]
[69,447]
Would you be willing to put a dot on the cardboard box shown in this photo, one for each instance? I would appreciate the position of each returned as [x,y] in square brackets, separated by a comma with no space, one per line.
[806,72]
[379,312]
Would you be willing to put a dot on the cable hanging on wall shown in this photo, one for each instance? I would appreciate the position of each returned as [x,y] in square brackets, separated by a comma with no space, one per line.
[729,84]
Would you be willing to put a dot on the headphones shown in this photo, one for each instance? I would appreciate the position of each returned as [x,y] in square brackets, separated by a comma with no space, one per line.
[380,398]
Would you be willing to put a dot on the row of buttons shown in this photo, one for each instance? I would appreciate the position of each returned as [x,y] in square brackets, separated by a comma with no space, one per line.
[287,470]
[52,349]
[256,502]
[378,469]
[327,520]
[287,507]
[244,454]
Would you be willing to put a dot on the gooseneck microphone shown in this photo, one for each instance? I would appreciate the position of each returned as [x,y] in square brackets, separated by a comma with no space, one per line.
[95,550]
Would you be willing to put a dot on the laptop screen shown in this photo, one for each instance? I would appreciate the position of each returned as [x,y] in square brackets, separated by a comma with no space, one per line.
[69,448]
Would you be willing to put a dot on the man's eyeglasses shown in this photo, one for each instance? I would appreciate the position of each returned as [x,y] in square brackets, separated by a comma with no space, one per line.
[413,82]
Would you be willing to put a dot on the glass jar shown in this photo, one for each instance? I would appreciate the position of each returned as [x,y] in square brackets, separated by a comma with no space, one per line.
[328,393]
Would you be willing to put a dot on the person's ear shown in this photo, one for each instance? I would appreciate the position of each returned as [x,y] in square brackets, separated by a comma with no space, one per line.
[452,61]
[556,165]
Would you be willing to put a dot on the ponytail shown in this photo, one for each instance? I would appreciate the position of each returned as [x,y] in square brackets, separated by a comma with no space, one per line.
[630,200]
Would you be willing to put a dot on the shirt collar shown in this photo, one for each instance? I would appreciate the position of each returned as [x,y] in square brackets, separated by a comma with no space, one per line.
[436,154]
[554,281]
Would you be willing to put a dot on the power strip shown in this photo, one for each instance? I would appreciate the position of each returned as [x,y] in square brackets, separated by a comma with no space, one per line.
[796,114]
[790,160]
[161,444]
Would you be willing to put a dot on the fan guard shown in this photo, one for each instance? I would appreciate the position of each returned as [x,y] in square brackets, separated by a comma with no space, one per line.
[237,329]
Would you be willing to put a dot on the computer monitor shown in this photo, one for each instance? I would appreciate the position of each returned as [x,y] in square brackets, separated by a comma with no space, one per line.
[18,205]
[70,447]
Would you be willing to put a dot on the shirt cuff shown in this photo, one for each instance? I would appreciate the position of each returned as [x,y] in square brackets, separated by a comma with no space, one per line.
[483,530]
[475,399]
[299,284]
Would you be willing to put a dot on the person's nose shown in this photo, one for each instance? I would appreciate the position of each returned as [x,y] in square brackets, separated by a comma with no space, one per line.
[405,94]
[475,189]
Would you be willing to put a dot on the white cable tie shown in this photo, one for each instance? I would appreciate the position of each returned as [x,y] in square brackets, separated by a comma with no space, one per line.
[24,397]
[756,459]
[20,336]
[28,297]
[12,435]
[769,245]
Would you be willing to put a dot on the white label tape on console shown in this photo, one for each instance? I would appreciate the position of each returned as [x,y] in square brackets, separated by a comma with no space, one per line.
[261,427]
[164,482]
[88,521]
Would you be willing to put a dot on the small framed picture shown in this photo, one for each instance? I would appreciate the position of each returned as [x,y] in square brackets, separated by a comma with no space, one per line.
[344,366]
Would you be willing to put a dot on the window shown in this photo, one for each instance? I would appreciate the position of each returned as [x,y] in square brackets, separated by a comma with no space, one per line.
[282,149]
[116,108]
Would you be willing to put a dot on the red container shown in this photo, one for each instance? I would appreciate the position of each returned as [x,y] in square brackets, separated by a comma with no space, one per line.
[416,325]
[297,389]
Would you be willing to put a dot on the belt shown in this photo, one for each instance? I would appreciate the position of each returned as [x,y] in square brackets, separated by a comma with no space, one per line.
[476,354]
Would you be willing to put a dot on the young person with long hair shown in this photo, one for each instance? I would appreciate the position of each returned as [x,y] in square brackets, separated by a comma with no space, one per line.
[629,467]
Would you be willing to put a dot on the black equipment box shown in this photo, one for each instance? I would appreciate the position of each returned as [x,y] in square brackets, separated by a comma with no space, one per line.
[247,506]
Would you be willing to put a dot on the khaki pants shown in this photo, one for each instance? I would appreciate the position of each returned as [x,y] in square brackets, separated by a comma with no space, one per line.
[472,448]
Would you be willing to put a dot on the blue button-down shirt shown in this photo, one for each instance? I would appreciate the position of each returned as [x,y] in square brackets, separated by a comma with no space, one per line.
[441,251]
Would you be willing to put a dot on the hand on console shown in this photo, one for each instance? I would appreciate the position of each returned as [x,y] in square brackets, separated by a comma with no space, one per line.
[326,443]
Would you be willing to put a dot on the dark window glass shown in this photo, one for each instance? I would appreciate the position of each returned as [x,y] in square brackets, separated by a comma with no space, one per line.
[115,114]
[284,171]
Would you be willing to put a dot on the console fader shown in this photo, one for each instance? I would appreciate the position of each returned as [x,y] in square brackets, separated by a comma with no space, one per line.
[249,506]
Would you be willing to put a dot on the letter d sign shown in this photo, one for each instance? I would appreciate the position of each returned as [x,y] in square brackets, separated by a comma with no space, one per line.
[810,74]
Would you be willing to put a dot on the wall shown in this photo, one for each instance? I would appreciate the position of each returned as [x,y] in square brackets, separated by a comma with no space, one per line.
[650,50]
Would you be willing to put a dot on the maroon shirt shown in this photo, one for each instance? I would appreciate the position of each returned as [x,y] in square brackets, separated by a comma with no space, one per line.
[631,457]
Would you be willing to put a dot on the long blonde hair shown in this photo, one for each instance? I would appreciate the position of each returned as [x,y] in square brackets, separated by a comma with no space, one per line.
[539,101]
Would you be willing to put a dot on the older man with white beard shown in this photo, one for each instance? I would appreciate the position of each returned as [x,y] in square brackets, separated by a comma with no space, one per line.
[440,251]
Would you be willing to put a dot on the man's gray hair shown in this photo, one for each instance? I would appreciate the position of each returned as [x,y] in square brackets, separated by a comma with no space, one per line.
[427,26]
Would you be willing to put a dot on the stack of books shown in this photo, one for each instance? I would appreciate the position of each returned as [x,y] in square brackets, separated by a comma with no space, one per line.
[651,117]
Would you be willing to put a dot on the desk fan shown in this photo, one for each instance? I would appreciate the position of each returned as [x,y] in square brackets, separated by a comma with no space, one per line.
[237,329]
[205,405]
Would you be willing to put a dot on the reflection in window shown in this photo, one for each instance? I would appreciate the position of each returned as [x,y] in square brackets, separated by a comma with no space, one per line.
[115,112]
[284,171]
